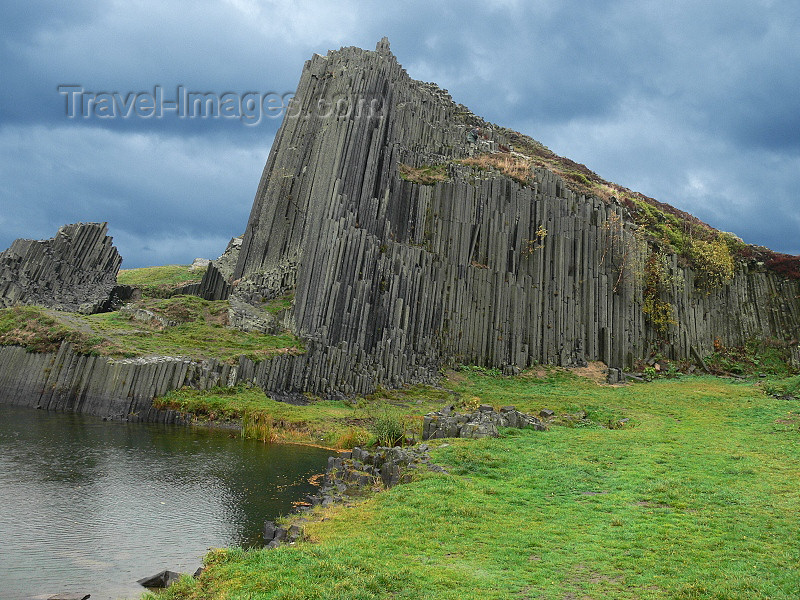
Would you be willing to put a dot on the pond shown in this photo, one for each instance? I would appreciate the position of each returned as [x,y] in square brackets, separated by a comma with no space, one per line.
[91,506]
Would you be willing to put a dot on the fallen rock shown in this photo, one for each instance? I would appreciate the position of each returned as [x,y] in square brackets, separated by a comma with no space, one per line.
[484,422]
[349,472]
[275,536]
[634,377]
[70,597]
[615,376]
[164,579]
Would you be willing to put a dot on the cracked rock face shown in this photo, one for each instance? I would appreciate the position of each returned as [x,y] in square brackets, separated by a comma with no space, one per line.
[226,263]
[75,271]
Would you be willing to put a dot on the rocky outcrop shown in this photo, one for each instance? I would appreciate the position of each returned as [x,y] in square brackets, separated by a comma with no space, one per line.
[395,276]
[226,263]
[481,423]
[246,317]
[216,281]
[214,286]
[359,469]
[144,315]
[74,271]
[164,579]
[392,275]
[275,535]
[199,263]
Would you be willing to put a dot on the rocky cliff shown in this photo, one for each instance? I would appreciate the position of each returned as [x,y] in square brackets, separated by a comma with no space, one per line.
[119,389]
[404,255]
[74,271]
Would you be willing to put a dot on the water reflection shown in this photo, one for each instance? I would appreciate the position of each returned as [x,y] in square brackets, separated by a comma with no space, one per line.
[92,506]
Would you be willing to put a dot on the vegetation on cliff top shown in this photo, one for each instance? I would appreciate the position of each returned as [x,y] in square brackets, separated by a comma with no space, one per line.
[671,228]
[200,331]
[160,282]
[675,230]
[38,330]
[691,498]
[425,175]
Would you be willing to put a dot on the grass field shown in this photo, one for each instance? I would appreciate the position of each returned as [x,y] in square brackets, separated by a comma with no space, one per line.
[695,496]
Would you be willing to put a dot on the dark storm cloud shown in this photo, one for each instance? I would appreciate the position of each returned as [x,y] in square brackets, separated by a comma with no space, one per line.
[693,103]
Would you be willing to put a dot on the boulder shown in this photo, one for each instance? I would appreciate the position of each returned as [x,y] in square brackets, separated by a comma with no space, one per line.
[199,263]
[269,531]
[164,579]
[481,423]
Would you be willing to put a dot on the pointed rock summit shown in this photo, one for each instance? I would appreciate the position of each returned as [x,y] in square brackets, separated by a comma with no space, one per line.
[411,234]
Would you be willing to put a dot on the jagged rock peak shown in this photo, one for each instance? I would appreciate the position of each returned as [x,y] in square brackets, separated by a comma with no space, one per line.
[408,233]
[383,45]
[76,270]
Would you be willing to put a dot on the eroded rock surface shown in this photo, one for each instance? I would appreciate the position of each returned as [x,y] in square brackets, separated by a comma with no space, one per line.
[74,271]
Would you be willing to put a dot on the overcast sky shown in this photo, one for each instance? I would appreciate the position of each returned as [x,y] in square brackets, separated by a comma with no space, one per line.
[694,103]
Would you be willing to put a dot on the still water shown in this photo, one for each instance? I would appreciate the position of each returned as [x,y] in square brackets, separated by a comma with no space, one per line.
[91,506]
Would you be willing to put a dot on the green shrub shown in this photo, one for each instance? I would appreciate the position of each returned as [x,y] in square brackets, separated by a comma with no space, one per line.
[389,430]
[767,356]
[658,282]
[784,387]
[713,262]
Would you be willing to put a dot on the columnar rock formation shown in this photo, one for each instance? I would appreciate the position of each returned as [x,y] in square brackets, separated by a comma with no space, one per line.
[115,388]
[226,263]
[216,281]
[393,278]
[74,271]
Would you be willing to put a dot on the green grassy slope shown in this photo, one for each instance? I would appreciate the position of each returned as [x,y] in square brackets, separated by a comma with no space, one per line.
[694,497]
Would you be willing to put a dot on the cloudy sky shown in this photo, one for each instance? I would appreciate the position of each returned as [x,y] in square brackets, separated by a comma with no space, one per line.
[694,103]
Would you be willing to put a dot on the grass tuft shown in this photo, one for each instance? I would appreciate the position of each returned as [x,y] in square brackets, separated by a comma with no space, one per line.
[424,175]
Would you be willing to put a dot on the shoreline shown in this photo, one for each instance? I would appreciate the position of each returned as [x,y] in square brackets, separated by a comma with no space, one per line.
[239,470]
[523,476]
[588,508]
